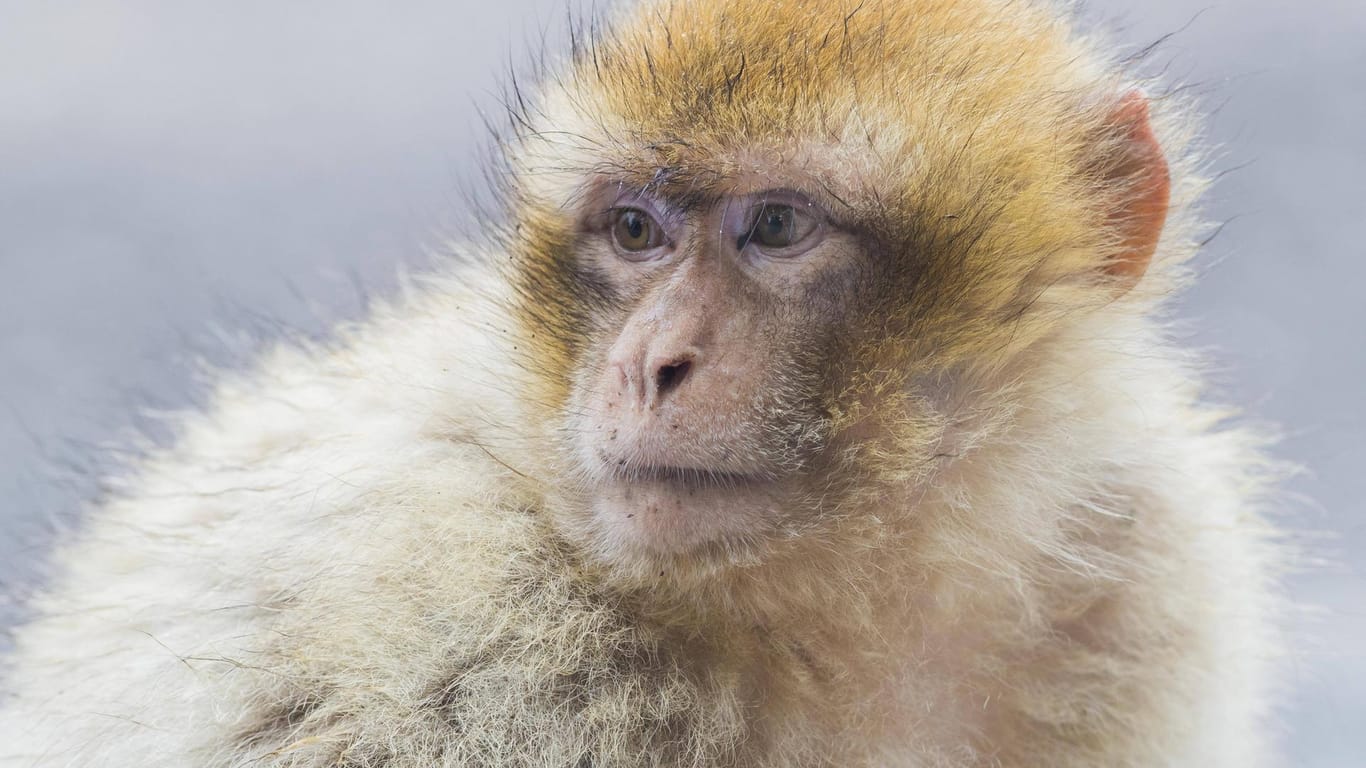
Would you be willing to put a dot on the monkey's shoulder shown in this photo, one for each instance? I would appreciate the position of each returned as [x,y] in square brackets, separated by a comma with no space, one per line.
[484,642]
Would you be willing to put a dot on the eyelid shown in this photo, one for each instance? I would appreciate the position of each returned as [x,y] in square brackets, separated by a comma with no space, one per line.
[626,201]
[803,205]
[785,197]
[637,200]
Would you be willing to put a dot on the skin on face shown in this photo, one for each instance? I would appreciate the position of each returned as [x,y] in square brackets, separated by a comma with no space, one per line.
[702,414]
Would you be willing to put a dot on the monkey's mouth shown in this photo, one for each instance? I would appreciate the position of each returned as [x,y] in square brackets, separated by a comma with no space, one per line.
[689,477]
[663,509]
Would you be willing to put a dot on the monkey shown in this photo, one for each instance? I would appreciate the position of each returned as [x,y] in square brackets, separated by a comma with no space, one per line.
[810,404]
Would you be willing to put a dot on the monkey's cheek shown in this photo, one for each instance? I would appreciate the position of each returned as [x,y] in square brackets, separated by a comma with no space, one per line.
[650,517]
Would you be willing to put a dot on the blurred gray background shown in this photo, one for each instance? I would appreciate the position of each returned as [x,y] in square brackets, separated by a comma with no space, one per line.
[182,181]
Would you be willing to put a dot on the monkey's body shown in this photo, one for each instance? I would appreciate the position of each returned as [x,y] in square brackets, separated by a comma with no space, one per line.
[372,555]
[261,598]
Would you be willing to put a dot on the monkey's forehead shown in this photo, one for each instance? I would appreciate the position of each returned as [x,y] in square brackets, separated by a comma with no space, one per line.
[865,96]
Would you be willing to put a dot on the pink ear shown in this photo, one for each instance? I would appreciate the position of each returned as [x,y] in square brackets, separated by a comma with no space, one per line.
[1142,175]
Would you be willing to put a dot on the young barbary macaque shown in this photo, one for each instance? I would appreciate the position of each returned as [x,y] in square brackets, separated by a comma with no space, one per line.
[812,407]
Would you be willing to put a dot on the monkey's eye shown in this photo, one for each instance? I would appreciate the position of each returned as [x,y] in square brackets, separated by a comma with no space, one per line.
[778,227]
[636,232]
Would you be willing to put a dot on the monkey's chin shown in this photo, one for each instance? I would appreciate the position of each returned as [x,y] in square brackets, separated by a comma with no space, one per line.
[666,517]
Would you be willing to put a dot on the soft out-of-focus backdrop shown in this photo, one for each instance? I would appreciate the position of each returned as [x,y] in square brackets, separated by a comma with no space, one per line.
[179,181]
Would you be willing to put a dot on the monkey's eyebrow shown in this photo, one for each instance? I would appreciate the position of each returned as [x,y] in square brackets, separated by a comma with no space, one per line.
[664,175]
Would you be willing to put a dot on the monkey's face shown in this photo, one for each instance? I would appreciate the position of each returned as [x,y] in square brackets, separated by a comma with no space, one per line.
[699,415]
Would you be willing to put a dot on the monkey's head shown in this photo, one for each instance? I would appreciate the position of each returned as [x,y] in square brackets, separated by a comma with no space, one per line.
[767,253]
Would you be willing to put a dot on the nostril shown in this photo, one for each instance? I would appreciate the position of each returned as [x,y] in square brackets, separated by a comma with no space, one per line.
[670,376]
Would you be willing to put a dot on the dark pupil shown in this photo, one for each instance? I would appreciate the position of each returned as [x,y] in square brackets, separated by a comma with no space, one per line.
[775,225]
[635,225]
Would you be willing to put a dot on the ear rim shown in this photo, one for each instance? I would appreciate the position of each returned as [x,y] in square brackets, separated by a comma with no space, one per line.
[1143,177]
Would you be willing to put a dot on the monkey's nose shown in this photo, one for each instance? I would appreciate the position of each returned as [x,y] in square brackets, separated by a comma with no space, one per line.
[645,378]
[663,376]
[649,384]
[669,377]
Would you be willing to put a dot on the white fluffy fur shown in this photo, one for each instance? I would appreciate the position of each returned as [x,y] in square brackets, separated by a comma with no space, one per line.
[331,509]
[342,562]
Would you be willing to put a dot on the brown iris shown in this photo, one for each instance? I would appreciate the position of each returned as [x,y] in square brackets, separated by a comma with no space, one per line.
[636,231]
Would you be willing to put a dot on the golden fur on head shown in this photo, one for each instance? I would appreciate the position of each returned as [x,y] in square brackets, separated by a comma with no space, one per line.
[969,138]
[1036,547]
